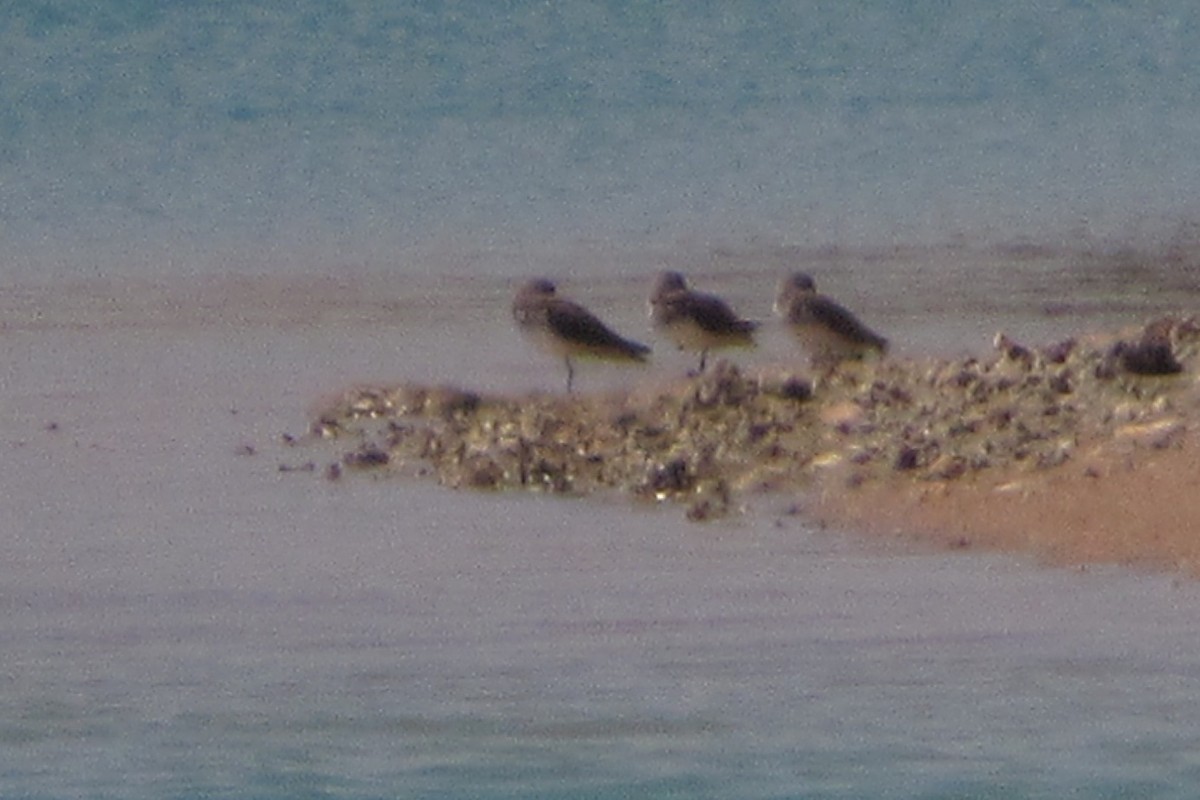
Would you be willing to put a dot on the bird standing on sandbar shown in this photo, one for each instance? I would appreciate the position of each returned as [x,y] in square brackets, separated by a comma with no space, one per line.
[827,331]
[695,320]
[567,329]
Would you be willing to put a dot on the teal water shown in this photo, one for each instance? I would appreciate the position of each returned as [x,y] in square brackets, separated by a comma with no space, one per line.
[477,136]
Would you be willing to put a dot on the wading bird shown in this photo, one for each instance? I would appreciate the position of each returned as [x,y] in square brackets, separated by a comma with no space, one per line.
[828,332]
[567,329]
[696,321]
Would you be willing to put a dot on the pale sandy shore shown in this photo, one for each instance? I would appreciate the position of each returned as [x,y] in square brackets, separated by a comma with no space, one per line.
[1123,503]
[1077,452]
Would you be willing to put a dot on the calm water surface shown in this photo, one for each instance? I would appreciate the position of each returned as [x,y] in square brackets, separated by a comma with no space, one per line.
[181,619]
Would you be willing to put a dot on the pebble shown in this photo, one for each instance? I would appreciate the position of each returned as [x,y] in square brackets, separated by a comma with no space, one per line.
[702,441]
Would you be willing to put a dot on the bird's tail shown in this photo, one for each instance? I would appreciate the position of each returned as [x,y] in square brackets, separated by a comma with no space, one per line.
[747,325]
[635,350]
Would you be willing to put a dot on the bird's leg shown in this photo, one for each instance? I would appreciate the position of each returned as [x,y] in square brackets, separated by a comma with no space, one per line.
[703,359]
[570,375]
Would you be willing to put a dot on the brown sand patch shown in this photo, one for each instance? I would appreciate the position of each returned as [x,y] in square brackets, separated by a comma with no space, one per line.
[1133,506]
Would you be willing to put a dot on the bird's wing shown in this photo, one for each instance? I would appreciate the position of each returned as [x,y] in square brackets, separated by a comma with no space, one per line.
[833,316]
[709,312]
[575,324]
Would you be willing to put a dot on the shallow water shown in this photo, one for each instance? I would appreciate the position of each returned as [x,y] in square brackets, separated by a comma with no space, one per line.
[182,619]
[214,215]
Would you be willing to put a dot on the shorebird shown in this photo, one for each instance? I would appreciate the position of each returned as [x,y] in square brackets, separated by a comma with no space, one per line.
[827,331]
[567,329]
[695,320]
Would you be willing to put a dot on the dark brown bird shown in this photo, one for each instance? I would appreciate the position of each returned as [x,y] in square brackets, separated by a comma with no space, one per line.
[567,329]
[695,320]
[828,332]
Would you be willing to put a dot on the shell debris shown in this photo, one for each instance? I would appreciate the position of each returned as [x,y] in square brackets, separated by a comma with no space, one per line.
[703,441]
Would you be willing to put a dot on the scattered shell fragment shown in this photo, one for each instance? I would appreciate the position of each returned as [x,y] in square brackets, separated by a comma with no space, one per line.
[1158,434]
[704,441]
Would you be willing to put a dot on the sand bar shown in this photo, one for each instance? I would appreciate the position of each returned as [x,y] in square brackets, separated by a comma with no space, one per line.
[1078,451]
